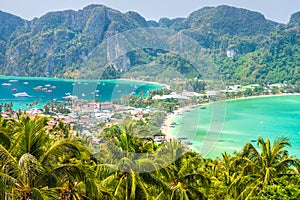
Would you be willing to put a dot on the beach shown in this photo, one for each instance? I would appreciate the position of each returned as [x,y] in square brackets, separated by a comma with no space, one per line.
[165,128]
[246,118]
[263,96]
[145,82]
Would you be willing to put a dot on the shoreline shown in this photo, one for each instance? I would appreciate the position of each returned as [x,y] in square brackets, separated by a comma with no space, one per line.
[79,79]
[165,128]
[146,82]
[264,96]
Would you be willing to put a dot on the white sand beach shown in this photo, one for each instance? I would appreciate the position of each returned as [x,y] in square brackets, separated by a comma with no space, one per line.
[165,128]
[146,82]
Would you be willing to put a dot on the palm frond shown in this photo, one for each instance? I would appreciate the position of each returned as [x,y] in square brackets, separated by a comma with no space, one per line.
[60,148]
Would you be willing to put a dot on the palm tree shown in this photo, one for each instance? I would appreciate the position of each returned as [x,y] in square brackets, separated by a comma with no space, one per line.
[133,172]
[222,172]
[62,131]
[7,127]
[188,180]
[34,166]
[20,167]
[261,168]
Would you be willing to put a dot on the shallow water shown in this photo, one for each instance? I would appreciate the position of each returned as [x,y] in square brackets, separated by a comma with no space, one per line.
[246,119]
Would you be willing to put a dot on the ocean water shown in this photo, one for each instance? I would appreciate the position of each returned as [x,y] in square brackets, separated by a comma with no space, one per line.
[245,120]
[53,89]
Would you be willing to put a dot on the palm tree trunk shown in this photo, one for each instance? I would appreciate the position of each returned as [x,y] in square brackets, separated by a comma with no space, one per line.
[126,196]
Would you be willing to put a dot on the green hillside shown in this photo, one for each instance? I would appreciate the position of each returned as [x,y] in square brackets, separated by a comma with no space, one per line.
[72,44]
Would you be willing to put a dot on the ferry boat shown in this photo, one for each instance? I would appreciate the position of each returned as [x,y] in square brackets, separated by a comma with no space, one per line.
[21,94]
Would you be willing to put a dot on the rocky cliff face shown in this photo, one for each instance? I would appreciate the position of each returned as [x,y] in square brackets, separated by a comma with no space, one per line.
[295,19]
[59,43]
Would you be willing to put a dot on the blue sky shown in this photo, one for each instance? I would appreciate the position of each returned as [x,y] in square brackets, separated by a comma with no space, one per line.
[276,10]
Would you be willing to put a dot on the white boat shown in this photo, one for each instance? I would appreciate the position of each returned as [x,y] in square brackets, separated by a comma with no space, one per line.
[25,83]
[13,81]
[70,97]
[21,94]
[6,84]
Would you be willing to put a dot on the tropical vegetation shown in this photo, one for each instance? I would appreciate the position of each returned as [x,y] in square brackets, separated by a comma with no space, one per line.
[43,161]
[73,44]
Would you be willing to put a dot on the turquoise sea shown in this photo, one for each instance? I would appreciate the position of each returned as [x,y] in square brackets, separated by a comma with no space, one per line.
[54,89]
[245,120]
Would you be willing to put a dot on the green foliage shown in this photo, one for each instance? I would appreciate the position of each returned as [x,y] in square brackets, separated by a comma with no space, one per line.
[117,116]
[36,163]
[110,73]
[295,19]
[70,44]
[276,59]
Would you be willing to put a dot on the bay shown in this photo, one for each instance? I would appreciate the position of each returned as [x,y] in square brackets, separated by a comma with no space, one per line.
[54,89]
[246,119]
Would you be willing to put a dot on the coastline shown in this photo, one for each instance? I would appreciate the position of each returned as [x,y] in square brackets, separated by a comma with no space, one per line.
[165,128]
[79,80]
[264,96]
[145,82]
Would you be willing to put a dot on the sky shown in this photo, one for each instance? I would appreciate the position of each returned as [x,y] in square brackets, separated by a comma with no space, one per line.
[275,10]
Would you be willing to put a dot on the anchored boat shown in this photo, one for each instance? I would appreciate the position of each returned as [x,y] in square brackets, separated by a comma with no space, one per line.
[21,94]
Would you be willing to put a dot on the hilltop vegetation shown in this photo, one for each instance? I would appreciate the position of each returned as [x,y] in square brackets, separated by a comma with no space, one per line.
[73,44]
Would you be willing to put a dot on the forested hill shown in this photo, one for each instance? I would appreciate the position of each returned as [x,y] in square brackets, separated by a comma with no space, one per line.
[58,44]
[224,20]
